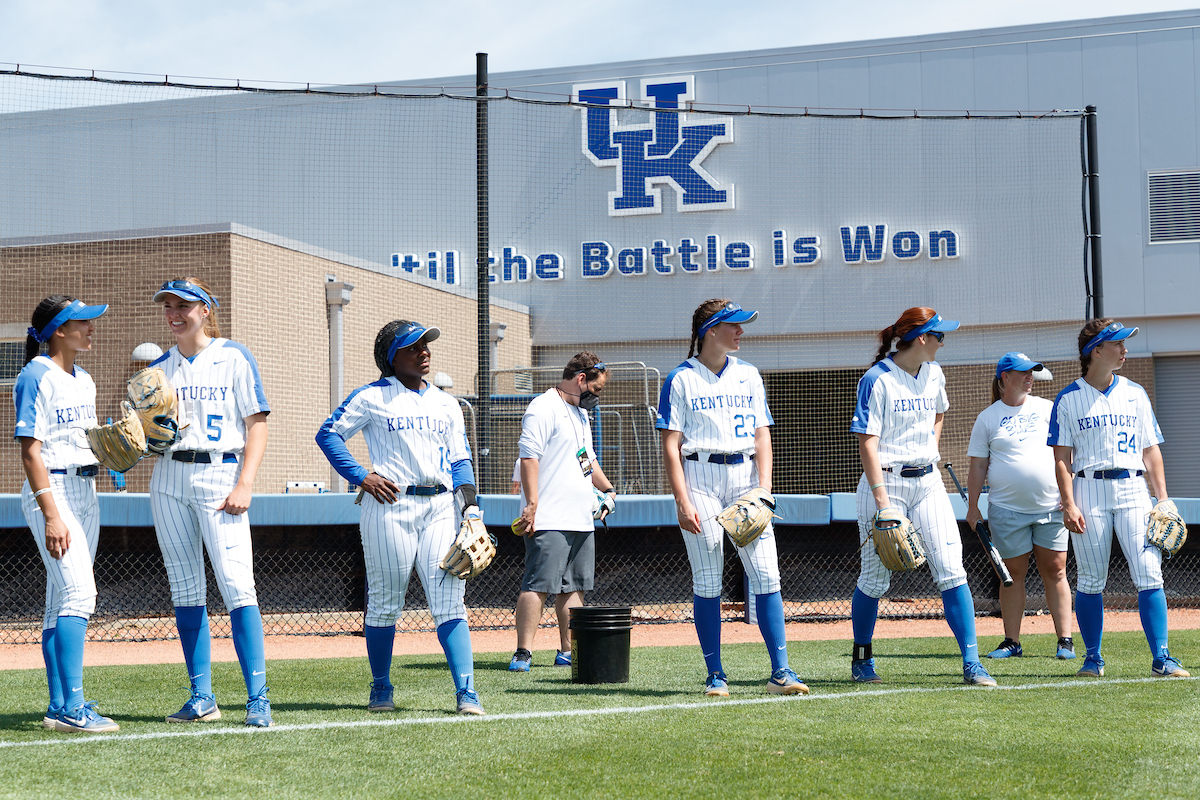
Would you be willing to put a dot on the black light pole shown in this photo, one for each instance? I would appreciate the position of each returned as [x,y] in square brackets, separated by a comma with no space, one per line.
[483,382]
[1093,177]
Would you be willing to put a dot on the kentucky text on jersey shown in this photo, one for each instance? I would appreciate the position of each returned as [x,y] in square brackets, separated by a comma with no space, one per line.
[723,401]
[202,392]
[428,424]
[74,414]
[914,404]
[1108,421]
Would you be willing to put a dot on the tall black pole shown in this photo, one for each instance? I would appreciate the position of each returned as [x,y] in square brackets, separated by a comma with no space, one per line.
[1093,177]
[483,382]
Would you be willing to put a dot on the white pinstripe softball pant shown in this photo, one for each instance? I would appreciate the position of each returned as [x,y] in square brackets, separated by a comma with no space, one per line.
[184,499]
[415,531]
[70,583]
[711,488]
[924,501]
[1117,506]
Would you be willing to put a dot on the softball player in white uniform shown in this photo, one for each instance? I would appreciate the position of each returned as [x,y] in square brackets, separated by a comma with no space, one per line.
[421,462]
[201,488]
[55,402]
[898,421]
[1105,438]
[1009,453]
[716,437]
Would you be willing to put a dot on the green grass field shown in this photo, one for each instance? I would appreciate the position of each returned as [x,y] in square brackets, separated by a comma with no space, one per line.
[922,734]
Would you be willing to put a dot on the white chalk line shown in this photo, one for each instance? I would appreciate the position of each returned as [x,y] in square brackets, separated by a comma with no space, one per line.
[455,719]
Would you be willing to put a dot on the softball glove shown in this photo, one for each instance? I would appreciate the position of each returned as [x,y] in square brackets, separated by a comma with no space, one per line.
[1165,529]
[153,400]
[474,548]
[747,517]
[896,541]
[121,444]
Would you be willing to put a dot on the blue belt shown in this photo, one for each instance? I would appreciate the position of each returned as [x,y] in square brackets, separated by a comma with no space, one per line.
[911,472]
[202,457]
[1110,474]
[90,471]
[426,491]
[720,458]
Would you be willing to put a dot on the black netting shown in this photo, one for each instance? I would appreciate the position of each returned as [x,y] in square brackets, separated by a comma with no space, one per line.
[312,582]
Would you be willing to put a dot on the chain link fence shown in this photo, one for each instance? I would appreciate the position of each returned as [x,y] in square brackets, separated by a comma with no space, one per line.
[311,581]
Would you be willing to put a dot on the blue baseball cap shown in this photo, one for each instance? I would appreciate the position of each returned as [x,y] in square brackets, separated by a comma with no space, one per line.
[187,291]
[75,310]
[1113,332]
[1018,362]
[409,335]
[732,313]
[934,323]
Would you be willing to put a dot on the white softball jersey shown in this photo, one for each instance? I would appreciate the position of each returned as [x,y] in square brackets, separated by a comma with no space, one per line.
[56,408]
[717,412]
[1021,466]
[413,438]
[217,389]
[553,431]
[1109,429]
[901,411]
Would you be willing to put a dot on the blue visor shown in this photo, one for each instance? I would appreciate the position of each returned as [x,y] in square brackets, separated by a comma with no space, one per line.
[1017,362]
[732,313]
[1111,333]
[187,291]
[76,310]
[934,323]
[409,335]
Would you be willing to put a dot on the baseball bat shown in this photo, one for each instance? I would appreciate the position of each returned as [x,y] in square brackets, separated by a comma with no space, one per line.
[985,536]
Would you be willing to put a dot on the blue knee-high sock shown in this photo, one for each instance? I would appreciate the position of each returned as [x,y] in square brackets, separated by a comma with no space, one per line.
[248,643]
[960,616]
[864,610]
[53,679]
[1152,606]
[68,644]
[196,640]
[1089,612]
[379,652]
[707,614]
[770,625]
[455,637]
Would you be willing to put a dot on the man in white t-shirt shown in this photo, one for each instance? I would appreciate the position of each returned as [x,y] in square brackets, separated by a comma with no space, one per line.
[559,479]
[1008,450]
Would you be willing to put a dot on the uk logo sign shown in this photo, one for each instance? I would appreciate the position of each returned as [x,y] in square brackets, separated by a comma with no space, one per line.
[669,150]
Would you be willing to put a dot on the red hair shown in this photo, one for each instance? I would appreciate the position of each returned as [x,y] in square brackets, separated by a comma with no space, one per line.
[910,320]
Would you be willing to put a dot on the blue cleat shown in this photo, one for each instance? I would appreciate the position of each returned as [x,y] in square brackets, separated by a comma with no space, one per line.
[198,708]
[1093,667]
[717,685]
[562,659]
[1066,648]
[85,719]
[521,661]
[1007,649]
[50,718]
[468,703]
[381,697]
[975,675]
[1168,667]
[258,711]
[784,681]
[863,671]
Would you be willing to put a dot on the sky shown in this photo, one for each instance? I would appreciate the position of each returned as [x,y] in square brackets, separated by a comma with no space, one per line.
[375,41]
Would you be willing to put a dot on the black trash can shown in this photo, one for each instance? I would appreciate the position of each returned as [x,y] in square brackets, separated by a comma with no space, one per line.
[600,644]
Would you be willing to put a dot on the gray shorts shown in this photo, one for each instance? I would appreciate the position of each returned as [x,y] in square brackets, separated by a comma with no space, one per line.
[1015,533]
[559,561]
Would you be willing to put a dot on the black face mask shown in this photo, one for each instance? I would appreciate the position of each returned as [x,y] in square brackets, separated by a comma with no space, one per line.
[588,400]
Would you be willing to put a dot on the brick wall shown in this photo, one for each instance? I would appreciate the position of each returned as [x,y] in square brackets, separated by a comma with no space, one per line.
[272,300]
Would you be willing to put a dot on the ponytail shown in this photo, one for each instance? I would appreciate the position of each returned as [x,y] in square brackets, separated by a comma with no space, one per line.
[699,317]
[910,320]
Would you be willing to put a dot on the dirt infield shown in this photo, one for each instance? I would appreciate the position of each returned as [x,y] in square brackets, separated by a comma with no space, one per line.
[29,656]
